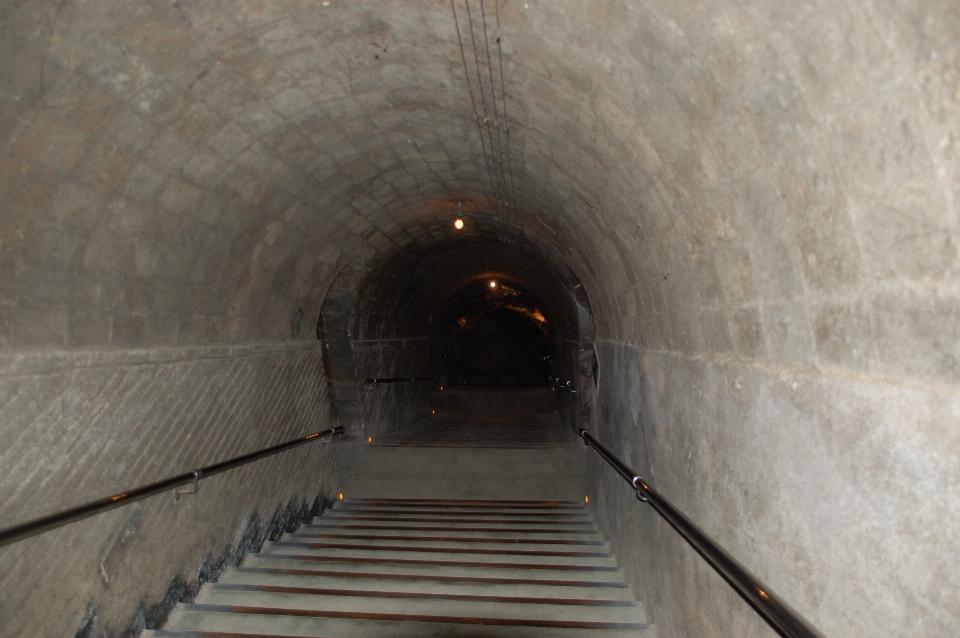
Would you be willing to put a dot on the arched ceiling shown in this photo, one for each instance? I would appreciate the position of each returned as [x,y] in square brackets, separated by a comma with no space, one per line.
[729,178]
[417,291]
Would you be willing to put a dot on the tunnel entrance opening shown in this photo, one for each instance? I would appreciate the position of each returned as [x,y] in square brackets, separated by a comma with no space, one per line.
[503,348]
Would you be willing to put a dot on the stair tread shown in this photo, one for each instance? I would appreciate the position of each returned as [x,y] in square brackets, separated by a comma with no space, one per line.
[443,514]
[438,574]
[451,541]
[439,555]
[432,567]
[424,568]
[398,584]
[445,547]
[492,536]
[446,501]
[475,506]
[510,526]
[362,625]
[566,522]
[290,599]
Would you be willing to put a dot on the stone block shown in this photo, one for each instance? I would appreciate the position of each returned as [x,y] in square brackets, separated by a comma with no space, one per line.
[829,254]
[143,183]
[180,196]
[716,332]
[735,270]
[129,330]
[918,336]
[89,328]
[788,331]
[909,233]
[198,330]
[230,141]
[53,143]
[161,329]
[746,328]
[844,335]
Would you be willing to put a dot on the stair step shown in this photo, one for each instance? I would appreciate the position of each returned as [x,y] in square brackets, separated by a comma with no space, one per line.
[476,569]
[417,568]
[499,519]
[459,526]
[274,622]
[416,531]
[413,583]
[438,504]
[450,547]
[448,540]
[441,555]
[459,510]
[444,502]
[414,605]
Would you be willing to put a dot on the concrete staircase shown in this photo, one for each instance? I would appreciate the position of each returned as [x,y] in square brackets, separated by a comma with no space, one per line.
[405,568]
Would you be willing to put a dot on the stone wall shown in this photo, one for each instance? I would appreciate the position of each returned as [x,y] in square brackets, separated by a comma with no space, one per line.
[392,406]
[839,492]
[77,426]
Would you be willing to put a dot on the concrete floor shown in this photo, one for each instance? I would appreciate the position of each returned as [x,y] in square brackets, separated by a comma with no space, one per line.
[462,473]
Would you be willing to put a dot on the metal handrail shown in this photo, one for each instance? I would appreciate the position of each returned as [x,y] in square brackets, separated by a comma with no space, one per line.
[785,620]
[53,521]
[399,380]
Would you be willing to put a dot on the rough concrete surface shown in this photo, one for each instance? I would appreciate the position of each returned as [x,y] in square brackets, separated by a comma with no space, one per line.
[84,426]
[752,193]
[373,471]
[391,406]
[839,493]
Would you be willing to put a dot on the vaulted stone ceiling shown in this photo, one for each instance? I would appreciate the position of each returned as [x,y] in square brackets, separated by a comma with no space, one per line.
[722,178]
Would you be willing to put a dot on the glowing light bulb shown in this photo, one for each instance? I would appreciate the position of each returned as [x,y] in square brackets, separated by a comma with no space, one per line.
[493,284]
[369,439]
[341,496]
[586,499]
[458,224]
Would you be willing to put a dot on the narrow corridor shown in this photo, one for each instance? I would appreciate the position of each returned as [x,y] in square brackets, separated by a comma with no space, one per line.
[723,236]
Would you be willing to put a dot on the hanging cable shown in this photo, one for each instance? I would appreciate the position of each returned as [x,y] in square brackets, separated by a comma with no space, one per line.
[506,119]
[498,190]
[473,100]
[496,115]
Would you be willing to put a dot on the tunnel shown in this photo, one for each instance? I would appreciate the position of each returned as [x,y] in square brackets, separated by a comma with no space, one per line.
[721,238]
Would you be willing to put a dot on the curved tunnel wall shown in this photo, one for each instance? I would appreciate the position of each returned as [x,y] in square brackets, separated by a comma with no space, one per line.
[409,300]
[760,199]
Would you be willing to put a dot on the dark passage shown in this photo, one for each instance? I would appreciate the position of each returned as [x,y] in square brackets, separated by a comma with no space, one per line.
[503,348]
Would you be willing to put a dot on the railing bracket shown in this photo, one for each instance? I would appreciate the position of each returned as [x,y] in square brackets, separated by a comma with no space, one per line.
[640,495]
[196,486]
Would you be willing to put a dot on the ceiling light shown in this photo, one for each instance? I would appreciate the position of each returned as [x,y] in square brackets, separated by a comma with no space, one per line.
[493,284]
[458,224]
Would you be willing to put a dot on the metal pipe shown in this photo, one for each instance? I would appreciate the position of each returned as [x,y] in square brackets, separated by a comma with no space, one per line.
[65,517]
[785,620]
